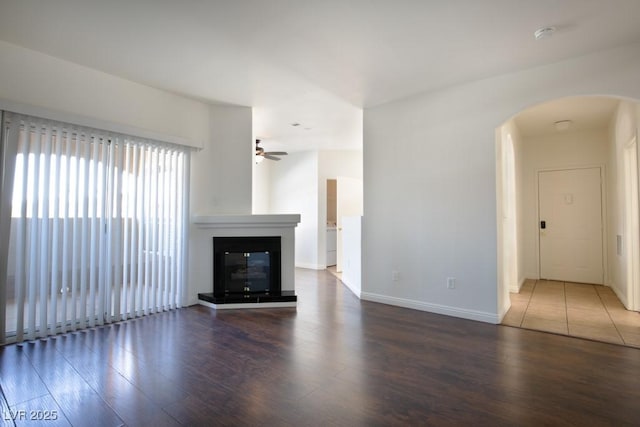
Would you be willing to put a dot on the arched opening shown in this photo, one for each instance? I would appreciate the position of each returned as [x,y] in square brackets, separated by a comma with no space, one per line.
[567,194]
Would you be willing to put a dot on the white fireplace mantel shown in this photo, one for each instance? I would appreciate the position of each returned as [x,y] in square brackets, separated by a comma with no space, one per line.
[246,221]
[205,227]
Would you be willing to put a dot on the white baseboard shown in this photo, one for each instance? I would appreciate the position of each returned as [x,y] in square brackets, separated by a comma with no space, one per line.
[463,313]
[622,297]
[516,290]
[505,308]
[356,292]
[310,266]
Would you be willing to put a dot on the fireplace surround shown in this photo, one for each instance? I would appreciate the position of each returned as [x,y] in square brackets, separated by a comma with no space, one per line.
[255,234]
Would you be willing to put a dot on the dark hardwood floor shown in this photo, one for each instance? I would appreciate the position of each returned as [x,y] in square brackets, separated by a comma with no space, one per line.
[333,361]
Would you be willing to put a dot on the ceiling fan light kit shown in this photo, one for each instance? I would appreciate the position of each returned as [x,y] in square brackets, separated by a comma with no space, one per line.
[271,155]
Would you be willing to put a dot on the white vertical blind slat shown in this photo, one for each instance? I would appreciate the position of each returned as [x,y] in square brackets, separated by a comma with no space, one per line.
[77,237]
[124,273]
[165,259]
[116,230]
[103,264]
[85,239]
[109,236]
[174,230]
[95,233]
[33,255]
[55,232]
[142,232]
[66,231]
[184,168]
[160,255]
[134,237]
[43,190]
[147,230]
[20,283]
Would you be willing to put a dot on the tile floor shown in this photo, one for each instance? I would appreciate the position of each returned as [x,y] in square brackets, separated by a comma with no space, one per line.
[575,309]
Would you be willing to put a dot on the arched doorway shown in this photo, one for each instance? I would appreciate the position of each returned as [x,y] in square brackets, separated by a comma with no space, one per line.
[568,137]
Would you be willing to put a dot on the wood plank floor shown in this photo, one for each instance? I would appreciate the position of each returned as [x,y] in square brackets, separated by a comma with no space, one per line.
[333,361]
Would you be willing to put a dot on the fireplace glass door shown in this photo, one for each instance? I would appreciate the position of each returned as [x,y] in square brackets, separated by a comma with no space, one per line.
[247,272]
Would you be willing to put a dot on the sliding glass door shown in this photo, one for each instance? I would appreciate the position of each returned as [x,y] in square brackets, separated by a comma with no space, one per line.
[97,227]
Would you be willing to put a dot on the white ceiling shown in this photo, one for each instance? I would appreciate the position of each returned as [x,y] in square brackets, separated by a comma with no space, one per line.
[317,63]
[585,113]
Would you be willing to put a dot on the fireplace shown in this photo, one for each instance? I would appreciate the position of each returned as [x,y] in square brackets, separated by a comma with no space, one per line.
[247,270]
[246,265]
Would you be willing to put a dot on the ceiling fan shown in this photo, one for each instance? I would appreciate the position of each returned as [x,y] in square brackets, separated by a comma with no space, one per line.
[271,155]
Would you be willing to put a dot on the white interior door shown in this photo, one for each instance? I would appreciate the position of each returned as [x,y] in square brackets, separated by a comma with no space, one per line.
[570,225]
[349,203]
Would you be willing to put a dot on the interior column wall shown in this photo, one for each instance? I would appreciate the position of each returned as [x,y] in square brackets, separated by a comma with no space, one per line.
[294,189]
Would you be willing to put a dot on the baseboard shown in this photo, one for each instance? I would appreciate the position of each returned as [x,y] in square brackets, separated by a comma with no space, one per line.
[309,266]
[506,306]
[462,313]
[621,297]
[356,292]
[516,289]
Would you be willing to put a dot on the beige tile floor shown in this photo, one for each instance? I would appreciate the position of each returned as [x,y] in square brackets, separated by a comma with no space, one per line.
[575,309]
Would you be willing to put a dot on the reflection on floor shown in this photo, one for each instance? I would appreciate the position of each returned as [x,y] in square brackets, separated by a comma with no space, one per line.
[585,311]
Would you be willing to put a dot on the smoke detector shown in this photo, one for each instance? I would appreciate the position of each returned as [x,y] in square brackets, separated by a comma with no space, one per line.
[544,32]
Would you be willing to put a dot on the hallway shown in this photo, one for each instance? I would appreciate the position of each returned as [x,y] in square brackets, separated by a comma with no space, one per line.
[579,310]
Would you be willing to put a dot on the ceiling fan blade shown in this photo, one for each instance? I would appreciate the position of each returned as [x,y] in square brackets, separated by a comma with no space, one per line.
[267,156]
[277,153]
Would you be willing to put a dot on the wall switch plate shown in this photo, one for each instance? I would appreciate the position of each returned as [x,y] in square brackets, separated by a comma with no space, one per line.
[451,282]
[395,275]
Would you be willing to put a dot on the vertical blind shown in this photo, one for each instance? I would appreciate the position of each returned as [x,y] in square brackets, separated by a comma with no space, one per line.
[97,227]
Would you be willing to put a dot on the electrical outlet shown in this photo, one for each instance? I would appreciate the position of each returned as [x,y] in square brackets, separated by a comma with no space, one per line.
[451,282]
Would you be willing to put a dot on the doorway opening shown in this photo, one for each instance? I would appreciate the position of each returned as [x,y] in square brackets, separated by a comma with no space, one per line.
[581,141]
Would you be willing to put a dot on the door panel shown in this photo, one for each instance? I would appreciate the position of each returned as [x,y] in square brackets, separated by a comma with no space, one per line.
[570,204]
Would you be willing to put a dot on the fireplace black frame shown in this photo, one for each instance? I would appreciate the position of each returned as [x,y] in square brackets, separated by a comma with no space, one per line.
[246,245]
[224,245]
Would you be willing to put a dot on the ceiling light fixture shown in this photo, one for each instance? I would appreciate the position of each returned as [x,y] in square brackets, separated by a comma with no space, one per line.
[544,32]
[563,125]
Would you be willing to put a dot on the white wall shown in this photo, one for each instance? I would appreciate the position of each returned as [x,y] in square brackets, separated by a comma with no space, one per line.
[74,93]
[623,129]
[430,184]
[261,191]
[561,150]
[294,189]
[352,253]
[221,173]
